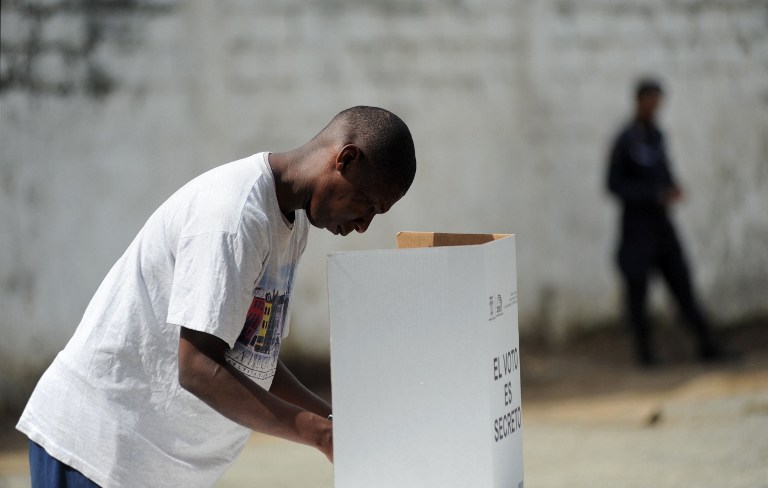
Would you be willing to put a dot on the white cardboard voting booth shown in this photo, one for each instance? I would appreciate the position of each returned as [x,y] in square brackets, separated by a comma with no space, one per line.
[425,364]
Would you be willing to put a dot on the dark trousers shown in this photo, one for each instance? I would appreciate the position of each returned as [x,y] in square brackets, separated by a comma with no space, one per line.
[48,472]
[649,246]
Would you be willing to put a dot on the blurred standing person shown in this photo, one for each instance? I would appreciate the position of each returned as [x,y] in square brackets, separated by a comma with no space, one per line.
[640,176]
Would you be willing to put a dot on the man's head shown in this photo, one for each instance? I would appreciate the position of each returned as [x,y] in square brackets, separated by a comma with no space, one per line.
[648,95]
[370,165]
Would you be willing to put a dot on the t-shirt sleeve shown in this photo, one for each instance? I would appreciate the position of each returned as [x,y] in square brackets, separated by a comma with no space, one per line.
[213,284]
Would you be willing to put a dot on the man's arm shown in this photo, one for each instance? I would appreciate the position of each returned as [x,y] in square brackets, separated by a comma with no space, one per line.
[204,372]
[673,192]
[286,386]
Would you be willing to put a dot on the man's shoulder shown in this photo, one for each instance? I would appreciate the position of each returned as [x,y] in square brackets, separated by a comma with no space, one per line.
[230,180]
[623,136]
[217,199]
[241,172]
[626,130]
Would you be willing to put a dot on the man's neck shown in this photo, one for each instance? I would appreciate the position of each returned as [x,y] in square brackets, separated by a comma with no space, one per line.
[644,121]
[290,186]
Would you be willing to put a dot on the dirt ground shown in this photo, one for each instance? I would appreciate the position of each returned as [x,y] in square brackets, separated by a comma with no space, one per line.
[591,418]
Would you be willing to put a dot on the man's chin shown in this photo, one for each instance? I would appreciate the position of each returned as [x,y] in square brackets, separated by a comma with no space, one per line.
[316,224]
[333,229]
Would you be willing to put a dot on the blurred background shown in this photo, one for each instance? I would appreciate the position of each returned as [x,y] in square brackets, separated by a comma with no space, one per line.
[107,107]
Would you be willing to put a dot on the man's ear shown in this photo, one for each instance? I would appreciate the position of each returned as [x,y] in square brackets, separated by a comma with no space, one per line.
[348,155]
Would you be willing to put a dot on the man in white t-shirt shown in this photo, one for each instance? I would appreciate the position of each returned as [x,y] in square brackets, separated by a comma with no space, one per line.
[175,361]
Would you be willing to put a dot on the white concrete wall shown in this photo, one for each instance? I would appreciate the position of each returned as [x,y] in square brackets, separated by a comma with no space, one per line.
[106,110]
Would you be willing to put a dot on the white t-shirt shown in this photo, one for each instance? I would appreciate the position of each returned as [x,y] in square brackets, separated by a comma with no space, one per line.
[219,257]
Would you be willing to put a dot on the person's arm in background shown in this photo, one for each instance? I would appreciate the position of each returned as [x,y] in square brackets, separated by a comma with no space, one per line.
[672,193]
[205,372]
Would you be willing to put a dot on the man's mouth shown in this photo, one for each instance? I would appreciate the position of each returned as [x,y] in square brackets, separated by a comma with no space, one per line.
[342,230]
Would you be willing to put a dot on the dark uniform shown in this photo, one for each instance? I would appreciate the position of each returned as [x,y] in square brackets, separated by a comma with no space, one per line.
[639,175]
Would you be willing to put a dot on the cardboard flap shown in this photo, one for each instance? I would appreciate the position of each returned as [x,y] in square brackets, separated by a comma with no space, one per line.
[407,240]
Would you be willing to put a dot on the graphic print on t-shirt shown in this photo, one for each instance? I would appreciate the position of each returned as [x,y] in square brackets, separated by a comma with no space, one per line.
[256,350]
[267,310]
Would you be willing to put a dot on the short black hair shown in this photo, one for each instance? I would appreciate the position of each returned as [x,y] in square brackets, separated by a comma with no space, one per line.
[383,138]
[648,86]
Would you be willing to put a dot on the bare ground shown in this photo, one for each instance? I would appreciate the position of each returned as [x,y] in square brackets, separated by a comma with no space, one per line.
[591,418]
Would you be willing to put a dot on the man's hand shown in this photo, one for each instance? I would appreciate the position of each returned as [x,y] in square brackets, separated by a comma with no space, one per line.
[672,195]
[204,372]
[327,448]
[286,386]
[326,440]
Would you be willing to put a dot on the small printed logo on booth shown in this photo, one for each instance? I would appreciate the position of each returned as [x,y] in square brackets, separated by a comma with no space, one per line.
[512,299]
[496,304]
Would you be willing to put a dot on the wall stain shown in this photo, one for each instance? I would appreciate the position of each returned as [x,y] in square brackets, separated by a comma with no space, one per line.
[54,53]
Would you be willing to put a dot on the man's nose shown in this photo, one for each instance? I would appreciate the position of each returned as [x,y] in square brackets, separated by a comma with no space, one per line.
[362,224]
